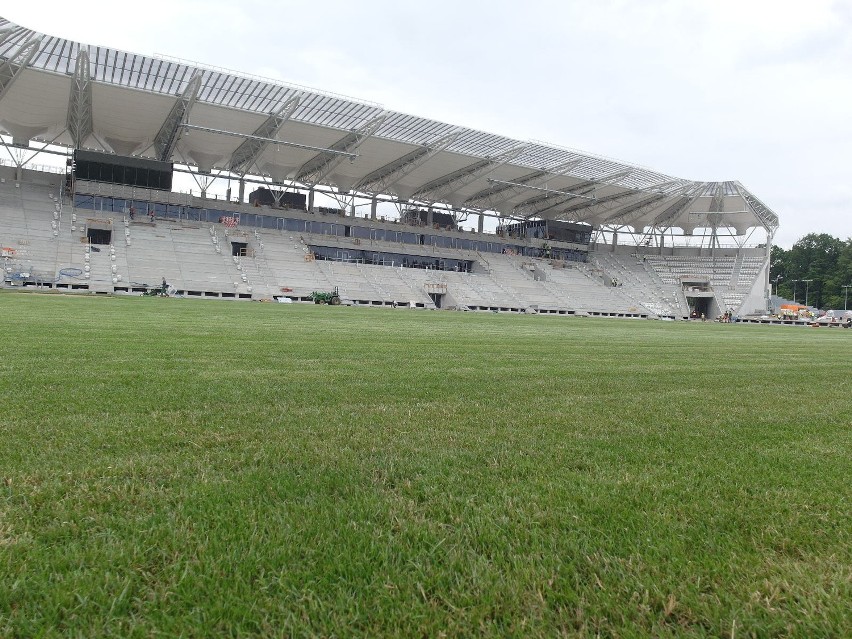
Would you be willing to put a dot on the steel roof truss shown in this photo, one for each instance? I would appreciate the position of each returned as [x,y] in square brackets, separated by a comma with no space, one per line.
[495,195]
[665,219]
[445,186]
[717,203]
[320,166]
[167,138]
[381,180]
[760,210]
[251,148]
[236,134]
[12,67]
[501,191]
[636,210]
[497,190]
[541,203]
[79,121]
[606,201]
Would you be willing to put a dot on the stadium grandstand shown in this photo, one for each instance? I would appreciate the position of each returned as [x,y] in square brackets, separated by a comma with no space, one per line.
[297,191]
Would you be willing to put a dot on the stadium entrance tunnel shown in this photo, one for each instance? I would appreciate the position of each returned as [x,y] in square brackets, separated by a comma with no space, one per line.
[700,296]
[437,292]
[239,248]
[703,304]
[97,235]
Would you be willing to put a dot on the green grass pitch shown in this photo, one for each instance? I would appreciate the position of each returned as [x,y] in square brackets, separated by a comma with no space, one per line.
[198,468]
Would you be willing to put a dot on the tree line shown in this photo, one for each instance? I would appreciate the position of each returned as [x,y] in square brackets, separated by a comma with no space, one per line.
[814,271]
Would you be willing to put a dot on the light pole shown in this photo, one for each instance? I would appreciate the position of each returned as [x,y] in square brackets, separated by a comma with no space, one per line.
[777,279]
[794,290]
[845,288]
[807,286]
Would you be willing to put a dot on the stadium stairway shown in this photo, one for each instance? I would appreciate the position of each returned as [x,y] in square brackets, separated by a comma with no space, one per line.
[638,285]
[290,267]
[519,274]
[36,239]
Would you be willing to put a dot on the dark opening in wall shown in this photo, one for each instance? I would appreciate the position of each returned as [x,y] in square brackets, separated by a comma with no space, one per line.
[99,236]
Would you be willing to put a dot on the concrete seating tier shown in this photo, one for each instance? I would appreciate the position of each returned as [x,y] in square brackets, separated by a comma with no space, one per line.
[731,277]
[641,284]
[196,259]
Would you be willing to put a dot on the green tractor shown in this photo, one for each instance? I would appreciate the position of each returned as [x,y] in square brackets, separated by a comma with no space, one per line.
[332,298]
[158,291]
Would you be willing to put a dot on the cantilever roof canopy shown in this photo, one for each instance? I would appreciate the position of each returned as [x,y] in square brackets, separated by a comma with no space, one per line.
[57,91]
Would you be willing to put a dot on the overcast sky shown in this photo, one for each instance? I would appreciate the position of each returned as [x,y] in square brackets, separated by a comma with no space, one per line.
[758,91]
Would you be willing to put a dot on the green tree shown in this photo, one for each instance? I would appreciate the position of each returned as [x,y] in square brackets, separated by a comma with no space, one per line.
[779,272]
[842,275]
[824,260]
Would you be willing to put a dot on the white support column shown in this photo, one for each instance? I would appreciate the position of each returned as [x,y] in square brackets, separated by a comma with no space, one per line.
[767,285]
[373,206]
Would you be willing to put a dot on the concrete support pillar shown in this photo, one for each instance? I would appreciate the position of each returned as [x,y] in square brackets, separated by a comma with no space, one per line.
[242,193]
[430,218]
[352,207]
[767,291]
[481,226]
[310,201]
[614,240]
[373,206]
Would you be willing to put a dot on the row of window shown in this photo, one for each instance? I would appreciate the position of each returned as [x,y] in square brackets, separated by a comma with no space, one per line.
[391,259]
[548,230]
[320,227]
